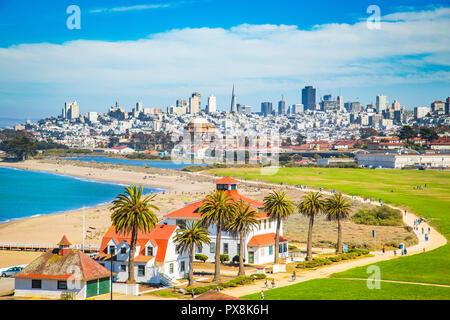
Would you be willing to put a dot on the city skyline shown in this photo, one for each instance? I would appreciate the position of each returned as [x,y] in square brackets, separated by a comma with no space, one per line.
[264,55]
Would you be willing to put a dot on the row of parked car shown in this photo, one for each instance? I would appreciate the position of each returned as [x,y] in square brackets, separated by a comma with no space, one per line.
[11,271]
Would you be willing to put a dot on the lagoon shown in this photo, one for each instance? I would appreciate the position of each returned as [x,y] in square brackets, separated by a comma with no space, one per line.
[29,193]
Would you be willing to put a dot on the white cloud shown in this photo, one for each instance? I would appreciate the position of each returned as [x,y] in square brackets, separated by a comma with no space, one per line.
[261,58]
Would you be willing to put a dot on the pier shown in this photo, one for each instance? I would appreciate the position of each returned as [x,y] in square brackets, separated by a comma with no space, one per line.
[43,247]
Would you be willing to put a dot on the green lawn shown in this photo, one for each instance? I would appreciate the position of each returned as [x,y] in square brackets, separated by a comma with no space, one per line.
[338,289]
[392,186]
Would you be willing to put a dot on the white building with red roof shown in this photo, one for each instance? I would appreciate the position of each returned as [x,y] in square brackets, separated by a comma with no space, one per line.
[62,270]
[259,244]
[156,259]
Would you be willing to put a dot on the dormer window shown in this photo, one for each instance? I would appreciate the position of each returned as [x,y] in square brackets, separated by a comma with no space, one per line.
[150,251]
[123,250]
[112,250]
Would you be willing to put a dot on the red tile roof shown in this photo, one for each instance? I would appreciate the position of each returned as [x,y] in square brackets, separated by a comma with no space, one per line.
[159,236]
[52,265]
[227,180]
[64,242]
[192,209]
[264,239]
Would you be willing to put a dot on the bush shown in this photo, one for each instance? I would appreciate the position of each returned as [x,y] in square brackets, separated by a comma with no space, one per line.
[201,257]
[258,276]
[236,259]
[380,216]
[224,258]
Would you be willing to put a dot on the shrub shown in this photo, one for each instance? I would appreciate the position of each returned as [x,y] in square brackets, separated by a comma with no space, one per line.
[201,257]
[380,216]
[224,258]
[258,276]
[236,259]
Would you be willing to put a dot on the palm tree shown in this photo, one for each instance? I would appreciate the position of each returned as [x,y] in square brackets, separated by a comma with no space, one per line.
[132,213]
[242,223]
[337,208]
[217,209]
[311,206]
[278,207]
[192,234]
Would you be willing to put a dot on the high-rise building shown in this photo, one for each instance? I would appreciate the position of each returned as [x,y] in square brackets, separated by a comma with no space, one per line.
[242,108]
[381,103]
[266,108]
[297,108]
[233,101]
[447,106]
[281,106]
[71,110]
[438,107]
[194,103]
[212,107]
[340,102]
[309,98]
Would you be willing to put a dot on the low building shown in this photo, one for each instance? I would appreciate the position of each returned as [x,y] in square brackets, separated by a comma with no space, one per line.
[328,161]
[120,150]
[62,270]
[403,160]
[259,243]
[156,260]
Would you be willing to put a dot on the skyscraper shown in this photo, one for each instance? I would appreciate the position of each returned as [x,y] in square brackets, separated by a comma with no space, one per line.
[309,98]
[70,110]
[211,104]
[194,103]
[340,102]
[233,102]
[266,108]
[282,106]
[381,103]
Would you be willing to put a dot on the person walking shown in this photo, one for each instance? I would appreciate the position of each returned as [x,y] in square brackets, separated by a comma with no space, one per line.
[395,252]
[266,283]
[273,283]
[262,295]
[383,250]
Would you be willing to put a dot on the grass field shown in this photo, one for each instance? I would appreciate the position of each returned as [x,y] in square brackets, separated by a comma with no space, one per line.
[332,289]
[392,186]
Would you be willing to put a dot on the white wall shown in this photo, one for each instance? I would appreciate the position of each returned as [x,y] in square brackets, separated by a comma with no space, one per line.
[49,289]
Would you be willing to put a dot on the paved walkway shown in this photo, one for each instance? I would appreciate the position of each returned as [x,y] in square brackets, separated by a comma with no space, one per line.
[284,279]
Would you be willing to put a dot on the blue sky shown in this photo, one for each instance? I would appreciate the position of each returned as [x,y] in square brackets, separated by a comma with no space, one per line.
[158,51]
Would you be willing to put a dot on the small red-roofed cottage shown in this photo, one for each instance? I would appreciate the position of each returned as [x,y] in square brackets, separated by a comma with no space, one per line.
[61,270]
[156,259]
[259,243]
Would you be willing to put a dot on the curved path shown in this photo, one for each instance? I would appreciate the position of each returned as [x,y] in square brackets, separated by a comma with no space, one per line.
[435,240]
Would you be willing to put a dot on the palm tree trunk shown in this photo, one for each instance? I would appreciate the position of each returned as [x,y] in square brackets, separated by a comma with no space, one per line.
[277,243]
[339,239]
[310,233]
[131,278]
[241,255]
[191,266]
[217,256]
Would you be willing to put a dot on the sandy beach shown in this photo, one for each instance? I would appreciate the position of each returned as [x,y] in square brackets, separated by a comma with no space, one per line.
[180,189]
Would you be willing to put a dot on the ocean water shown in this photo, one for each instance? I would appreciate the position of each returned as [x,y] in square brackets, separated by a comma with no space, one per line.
[149,163]
[29,193]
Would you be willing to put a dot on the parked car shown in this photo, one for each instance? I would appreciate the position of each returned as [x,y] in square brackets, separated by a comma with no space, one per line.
[11,271]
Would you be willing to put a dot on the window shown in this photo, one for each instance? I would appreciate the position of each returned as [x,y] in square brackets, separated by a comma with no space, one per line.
[225,248]
[36,284]
[265,224]
[180,222]
[212,247]
[112,250]
[270,224]
[270,250]
[171,268]
[123,267]
[141,271]
[199,249]
[150,251]
[62,284]
[123,250]
[237,247]
[182,266]
[259,224]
